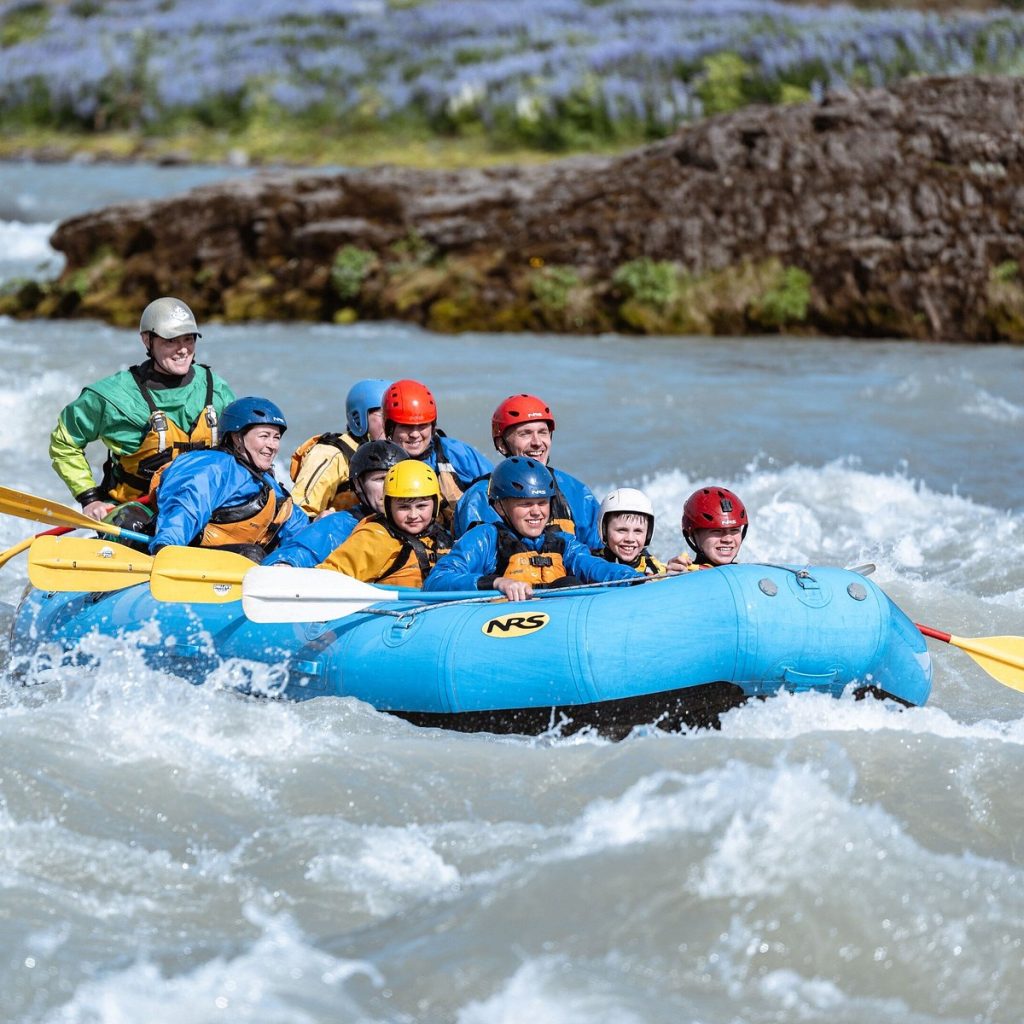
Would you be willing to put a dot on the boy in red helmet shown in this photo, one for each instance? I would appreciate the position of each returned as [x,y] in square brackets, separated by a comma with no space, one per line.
[410,421]
[524,425]
[714,525]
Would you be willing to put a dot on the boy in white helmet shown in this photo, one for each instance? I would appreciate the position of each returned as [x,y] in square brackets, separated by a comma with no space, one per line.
[146,415]
[626,524]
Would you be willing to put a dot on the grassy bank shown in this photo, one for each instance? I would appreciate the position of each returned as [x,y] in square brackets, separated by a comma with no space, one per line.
[284,146]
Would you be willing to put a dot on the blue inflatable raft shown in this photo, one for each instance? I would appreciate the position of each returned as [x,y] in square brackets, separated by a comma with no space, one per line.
[671,652]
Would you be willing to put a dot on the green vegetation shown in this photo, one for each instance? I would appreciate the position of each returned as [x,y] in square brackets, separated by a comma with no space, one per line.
[786,299]
[351,267]
[23,23]
[551,287]
[653,283]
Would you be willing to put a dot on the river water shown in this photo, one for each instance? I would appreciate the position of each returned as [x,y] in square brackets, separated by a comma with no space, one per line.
[170,853]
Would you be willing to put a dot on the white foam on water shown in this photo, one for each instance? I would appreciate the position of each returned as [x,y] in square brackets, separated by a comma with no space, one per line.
[280,978]
[786,716]
[28,410]
[112,700]
[993,407]
[388,868]
[25,250]
[839,514]
[552,990]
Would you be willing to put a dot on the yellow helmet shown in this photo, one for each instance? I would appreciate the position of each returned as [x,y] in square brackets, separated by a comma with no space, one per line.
[411,479]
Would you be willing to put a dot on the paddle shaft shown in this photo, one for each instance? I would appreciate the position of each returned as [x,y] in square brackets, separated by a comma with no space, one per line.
[53,513]
[24,545]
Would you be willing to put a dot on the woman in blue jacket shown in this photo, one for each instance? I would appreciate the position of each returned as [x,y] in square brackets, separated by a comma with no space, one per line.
[227,497]
[521,552]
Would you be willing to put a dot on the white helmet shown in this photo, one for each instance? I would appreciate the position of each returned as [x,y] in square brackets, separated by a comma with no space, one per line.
[169,317]
[627,499]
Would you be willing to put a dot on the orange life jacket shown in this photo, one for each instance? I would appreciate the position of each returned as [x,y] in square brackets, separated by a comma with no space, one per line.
[256,521]
[376,551]
[130,475]
[519,562]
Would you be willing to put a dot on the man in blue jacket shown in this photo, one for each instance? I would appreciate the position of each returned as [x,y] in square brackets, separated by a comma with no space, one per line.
[521,551]
[524,425]
[410,420]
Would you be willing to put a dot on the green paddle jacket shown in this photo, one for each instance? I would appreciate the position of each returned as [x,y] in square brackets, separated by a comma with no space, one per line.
[114,411]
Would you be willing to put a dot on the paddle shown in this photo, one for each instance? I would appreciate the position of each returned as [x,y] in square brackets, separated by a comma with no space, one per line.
[285,594]
[1002,657]
[197,575]
[82,564]
[53,513]
[24,545]
[272,593]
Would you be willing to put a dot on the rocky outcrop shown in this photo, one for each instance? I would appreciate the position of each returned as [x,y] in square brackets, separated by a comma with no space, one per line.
[897,213]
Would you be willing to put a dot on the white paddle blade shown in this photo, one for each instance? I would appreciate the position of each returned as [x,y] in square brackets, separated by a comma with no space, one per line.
[272,593]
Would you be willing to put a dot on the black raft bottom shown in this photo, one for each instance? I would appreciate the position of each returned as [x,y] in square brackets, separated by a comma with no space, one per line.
[692,707]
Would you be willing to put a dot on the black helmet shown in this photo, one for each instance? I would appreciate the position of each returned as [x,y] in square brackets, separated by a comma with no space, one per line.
[375,455]
[372,456]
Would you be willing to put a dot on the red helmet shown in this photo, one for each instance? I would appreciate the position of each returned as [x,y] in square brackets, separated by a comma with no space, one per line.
[713,508]
[409,402]
[518,409]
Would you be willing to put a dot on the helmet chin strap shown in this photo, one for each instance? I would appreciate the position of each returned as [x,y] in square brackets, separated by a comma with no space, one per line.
[499,507]
[235,443]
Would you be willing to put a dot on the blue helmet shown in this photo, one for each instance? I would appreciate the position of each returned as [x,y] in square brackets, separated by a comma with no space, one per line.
[363,396]
[520,477]
[248,412]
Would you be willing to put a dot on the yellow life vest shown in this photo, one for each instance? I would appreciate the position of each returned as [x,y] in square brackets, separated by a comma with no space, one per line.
[376,552]
[319,468]
[129,476]
[519,562]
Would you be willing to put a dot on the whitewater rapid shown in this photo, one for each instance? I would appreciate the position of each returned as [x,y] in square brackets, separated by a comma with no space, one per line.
[173,853]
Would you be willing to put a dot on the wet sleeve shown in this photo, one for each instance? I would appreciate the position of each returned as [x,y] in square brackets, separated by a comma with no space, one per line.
[472,507]
[69,462]
[311,545]
[189,491]
[293,525]
[466,461]
[591,569]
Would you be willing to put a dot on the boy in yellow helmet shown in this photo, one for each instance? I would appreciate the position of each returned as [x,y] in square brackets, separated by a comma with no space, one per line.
[400,545]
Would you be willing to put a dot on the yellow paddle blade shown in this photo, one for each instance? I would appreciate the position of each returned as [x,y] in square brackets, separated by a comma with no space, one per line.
[83,564]
[198,575]
[1002,657]
[41,510]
